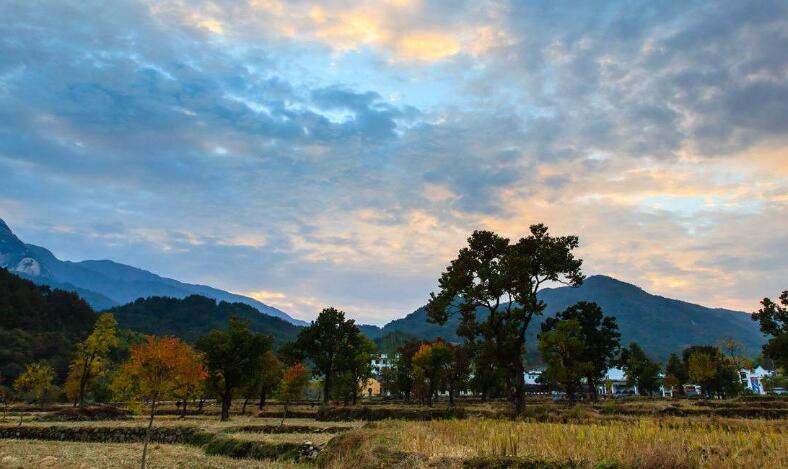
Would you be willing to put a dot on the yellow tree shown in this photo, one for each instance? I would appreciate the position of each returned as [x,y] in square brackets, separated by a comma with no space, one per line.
[88,362]
[36,382]
[158,369]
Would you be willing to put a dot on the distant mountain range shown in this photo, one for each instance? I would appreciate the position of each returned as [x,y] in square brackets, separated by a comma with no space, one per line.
[660,325]
[105,284]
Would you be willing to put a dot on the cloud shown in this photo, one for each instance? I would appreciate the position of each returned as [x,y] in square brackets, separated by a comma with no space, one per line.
[334,154]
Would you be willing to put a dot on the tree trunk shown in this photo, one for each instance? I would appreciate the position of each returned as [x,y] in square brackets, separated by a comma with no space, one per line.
[327,388]
[451,394]
[246,402]
[83,381]
[518,387]
[201,404]
[183,410]
[592,388]
[147,432]
[227,400]
[262,400]
[284,414]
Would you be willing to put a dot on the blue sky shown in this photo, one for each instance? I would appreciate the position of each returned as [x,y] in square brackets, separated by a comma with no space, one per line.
[339,153]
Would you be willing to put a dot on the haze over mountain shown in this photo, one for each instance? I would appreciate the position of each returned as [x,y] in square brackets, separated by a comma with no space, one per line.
[661,325]
[104,283]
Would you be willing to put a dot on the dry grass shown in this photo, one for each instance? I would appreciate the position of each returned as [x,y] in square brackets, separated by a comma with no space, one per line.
[208,423]
[62,455]
[643,443]
[316,438]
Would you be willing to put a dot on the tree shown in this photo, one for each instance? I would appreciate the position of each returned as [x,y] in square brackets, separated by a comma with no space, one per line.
[712,370]
[493,285]
[387,376]
[326,342]
[457,370]
[773,319]
[404,366]
[158,369]
[641,371]
[489,378]
[702,369]
[429,362]
[269,377]
[294,381]
[35,382]
[234,358]
[5,397]
[599,334]
[677,371]
[88,362]
[354,366]
[564,351]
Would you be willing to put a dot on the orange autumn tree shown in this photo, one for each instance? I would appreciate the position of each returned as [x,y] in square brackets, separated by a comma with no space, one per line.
[158,369]
[294,380]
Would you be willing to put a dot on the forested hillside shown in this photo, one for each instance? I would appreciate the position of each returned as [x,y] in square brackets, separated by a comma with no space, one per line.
[39,324]
[193,316]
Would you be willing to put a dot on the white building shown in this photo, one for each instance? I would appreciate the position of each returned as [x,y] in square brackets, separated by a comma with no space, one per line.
[382,361]
[753,379]
[533,376]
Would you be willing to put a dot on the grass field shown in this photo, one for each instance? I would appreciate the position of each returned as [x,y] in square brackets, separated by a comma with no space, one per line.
[57,454]
[642,443]
[643,434]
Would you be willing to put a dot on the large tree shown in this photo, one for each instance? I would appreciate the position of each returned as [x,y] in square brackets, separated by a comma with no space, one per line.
[599,334]
[773,319]
[493,285]
[234,359]
[327,341]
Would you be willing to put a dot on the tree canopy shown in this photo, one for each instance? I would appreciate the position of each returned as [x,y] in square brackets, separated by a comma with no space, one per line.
[503,278]
[234,358]
[599,335]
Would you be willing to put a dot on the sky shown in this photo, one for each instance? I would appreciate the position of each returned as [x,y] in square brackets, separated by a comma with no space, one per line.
[339,153]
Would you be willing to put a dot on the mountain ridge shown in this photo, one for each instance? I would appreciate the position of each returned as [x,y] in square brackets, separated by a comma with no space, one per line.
[106,283]
[661,325]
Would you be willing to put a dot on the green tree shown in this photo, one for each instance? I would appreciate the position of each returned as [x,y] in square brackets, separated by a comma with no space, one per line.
[91,353]
[489,378]
[708,367]
[327,341]
[564,351]
[234,359]
[457,370]
[35,382]
[501,279]
[675,368]
[641,371]
[773,319]
[354,367]
[404,367]
[269,377]
[599,334]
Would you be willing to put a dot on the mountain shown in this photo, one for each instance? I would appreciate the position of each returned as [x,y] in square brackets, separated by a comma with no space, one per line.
[193,316]
[39,324]
[105,283]
[661,325]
